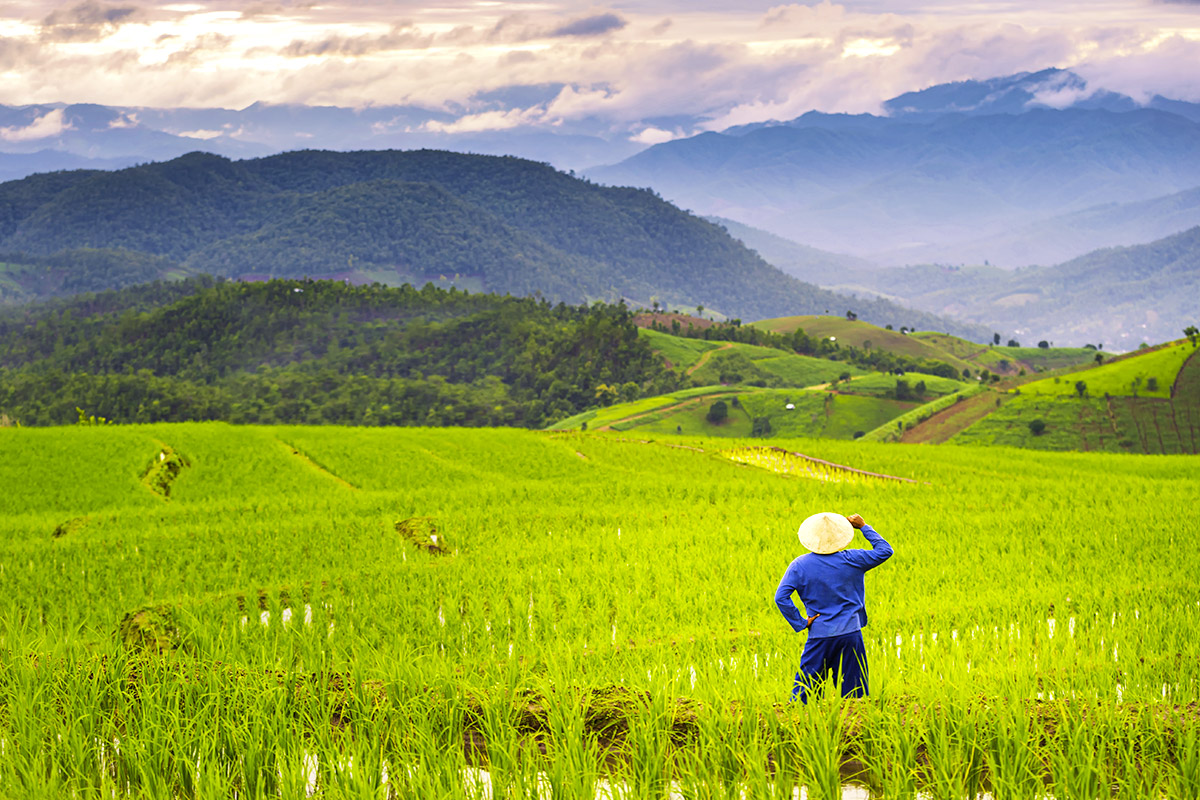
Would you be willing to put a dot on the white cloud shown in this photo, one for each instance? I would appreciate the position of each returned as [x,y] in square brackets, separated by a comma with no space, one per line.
[124,120]
[652,135]
[49,124]
[487,121]
[200,134]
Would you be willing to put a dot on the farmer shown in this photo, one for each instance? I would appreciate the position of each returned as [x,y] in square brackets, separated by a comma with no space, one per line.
[829,581]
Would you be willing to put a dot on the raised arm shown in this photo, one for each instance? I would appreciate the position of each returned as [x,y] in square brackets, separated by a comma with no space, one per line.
[880,550]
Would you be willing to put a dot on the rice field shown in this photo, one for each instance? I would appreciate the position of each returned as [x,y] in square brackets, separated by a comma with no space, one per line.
[339,612]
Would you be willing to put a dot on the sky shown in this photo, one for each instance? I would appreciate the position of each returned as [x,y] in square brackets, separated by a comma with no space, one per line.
[641,64]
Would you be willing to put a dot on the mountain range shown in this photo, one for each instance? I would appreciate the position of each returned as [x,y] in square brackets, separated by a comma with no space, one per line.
[484,223]
[973,172]
[1117,296]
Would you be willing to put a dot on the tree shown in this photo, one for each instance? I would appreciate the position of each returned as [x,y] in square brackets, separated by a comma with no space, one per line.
[1152,384]
[700,311]
[84,419]
[888,326]
[966,373]
[1081,388]
[1013,343]
[845,376]
[995,338]
[920,389]
[717,412]
[760,427]
[851,316]
[1099,359]
[1193,334]
[1044,344]
[1036,426]
[903,392]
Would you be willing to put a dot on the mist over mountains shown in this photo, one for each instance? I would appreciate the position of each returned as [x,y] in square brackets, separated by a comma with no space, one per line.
[1119,296]
[956,175]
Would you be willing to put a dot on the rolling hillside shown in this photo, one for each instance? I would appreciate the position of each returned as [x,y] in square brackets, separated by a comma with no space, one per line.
[1145,402]
[495,224]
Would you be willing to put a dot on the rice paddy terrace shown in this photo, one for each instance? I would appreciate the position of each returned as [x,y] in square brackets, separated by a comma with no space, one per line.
[203,610]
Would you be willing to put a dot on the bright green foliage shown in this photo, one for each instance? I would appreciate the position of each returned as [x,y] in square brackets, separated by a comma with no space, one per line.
[798,370]
[607,597]
[680,352]
[1124,377]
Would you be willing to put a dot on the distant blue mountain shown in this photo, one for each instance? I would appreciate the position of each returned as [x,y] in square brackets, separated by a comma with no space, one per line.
[952,165]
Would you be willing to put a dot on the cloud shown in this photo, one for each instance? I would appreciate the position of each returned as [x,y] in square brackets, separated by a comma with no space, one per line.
[86,22]
[124,120]
[590,26]
[194,51]
[201,134]
[401,37]
[653,135]
[49,124]
[486,121]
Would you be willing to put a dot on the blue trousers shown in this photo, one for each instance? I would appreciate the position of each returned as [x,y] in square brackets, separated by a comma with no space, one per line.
[844,657]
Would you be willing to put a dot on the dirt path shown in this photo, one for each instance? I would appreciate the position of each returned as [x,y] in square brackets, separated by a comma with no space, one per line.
[705,356]
[949,421]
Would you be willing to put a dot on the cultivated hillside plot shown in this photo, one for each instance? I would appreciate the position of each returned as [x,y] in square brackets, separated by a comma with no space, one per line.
[321,609]
[1143,403]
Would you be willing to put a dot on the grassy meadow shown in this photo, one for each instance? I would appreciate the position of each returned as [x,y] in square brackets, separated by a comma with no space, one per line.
[203,610]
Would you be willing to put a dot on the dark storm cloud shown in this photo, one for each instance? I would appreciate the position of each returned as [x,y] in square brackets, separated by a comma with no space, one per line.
[590,26]
[87,22]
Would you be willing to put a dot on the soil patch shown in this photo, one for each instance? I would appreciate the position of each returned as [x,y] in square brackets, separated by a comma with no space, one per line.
[163,469]
[70,526]
[648,319]
[422,532]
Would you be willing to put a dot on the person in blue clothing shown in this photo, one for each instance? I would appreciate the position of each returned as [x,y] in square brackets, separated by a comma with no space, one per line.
[829,581]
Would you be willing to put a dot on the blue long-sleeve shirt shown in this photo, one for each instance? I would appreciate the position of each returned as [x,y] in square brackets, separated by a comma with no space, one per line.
[831,585]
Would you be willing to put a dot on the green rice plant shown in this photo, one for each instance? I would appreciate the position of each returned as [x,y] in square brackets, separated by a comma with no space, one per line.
[953,744]
[889,741]
[1079,755]
[1185,761]
[1013,756]
[821,738]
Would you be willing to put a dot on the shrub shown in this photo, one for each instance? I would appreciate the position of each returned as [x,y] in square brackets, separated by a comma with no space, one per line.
[1036,426]
[717,412]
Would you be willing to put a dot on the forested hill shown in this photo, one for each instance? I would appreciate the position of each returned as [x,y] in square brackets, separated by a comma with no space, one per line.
[317,352]
[485,223]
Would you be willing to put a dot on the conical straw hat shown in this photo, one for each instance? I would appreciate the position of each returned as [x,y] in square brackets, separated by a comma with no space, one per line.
[825,532]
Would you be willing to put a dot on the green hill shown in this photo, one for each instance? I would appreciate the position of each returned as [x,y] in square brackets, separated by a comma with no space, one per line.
[1145,402]
[318,352]
[496,224]
[1144,374]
